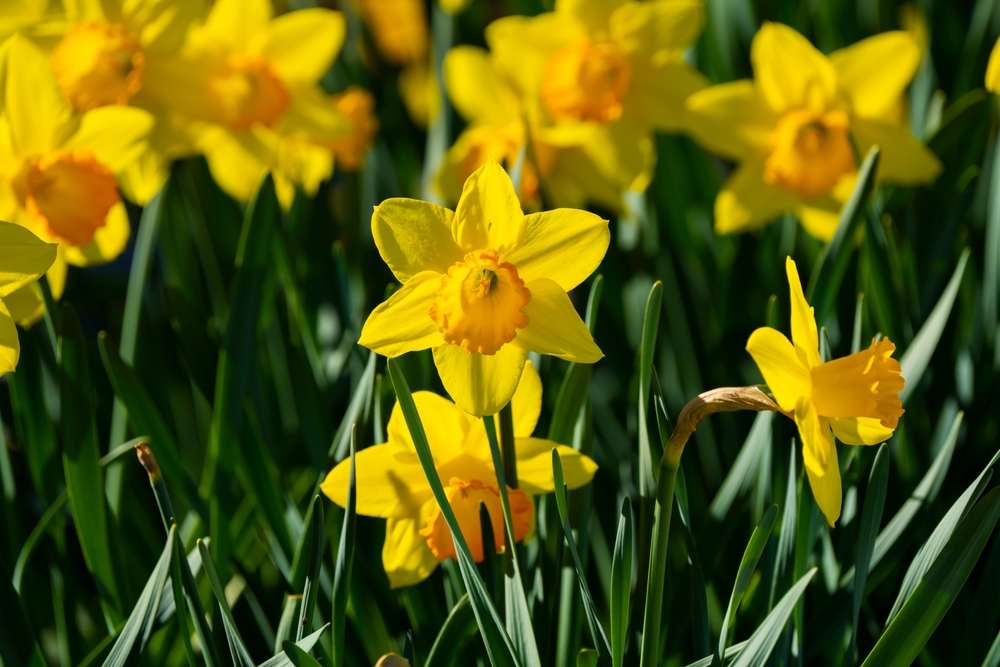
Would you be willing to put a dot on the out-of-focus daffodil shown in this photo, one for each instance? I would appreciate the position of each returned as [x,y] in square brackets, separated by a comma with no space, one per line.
[251,79]
[993,70]
[57,169]
[399,28]
[855,398]
[791,128]
[602,75]
[23,258]
[31,18]
[483,285]
[453,6]
[391,482]
[496,132]
[420,92]
[109,53]
[358,107]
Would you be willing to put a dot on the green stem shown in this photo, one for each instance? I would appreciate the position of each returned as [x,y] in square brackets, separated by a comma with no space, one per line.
[657,564]
[507,449]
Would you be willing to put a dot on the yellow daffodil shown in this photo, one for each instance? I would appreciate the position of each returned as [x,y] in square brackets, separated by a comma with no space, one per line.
[993,70]
[399,28]
[483,285]
[357,106]
[496,133]
[251,79]
[109,53]
[855,398]
[602,74]
[391,483]
[791,129]
[419,89]
[57,169]
[23,258]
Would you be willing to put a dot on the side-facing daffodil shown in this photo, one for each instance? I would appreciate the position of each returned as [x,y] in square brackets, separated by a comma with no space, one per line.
[497,133]
[57,169]
[993,70]
[483,285]
[855,398]
[791,129]
[23,258]
[391,483]
[602,75]
[109,53]
[251,78]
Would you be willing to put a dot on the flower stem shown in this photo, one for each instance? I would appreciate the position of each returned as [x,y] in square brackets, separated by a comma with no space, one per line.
[507,449]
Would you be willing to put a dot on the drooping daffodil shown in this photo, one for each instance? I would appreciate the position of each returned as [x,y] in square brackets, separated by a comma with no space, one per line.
[23,258]
[853,398]
[602,75]
[58,169]
[791,128]
[391,482]
[483,285]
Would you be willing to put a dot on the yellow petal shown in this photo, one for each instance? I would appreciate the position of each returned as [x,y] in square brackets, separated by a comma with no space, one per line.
[527,401]
[624,152]
[783,371]
[650,29]
[521,46]
[661,92]
[145,177]
[414,236]
[402,323]
[789,71]
[113,134]
[405,556]
[302,44]
[23,257]
[747,202]
[238,23]
[820,222]
[476,88]
[819,452]
[731,119]
[904,159]
[594,14]
[238,161]
[488,214]
[26,305]
[480,384]
[10,348]
[554,326]
[38,114]
[56,275]
[875,71]
[314,114]
[108,243]
[993,70]
[390,482]
[444,425]
[534,466]
[860,430]
[804,333]
[564,245]
[161,25]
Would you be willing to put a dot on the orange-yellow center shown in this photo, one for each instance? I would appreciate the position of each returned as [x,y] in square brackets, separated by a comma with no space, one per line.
[586,82]
[358,106]
[503,144]
[70,193]
[246,91]
[480,303]
[864,384]
[810,152]
[465,498]
[98,63]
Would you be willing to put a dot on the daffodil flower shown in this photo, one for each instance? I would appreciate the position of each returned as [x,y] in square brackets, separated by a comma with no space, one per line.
[399,28]
[358,107]
[58,170]
[23,258]
[390,482]
[855,398]
[497,133]
[791,128]
[993,70]
[602,75]
[251,79]
[483,285]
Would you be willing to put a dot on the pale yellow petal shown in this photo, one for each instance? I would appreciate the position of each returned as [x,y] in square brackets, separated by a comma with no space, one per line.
[303,44]
[38,115]
[405,555]
[595,15]
[23,257]
[389,482]
[746,202]
[660,93]
[26,305]
[903,159]
[238,161]
[526,404]
[444,425]
[10,348]
[476,88]
[56,275]
[534,466]
[818,221]
[875,71]
[789,71]
[860,430]
[564,245]
[522,45]
[238,23]
[651,30]
[731,119]
[402,323]
[804,332]
[785,374]
[480,384]
[113,134]
[108,243]
[162,25]
[488,214]
[414,236]
[819,452]
[554,327]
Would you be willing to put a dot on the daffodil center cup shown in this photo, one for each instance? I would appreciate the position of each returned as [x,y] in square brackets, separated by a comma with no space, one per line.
[864,384]
[246,91]
[810,152]
[466,497]
[586,82]
[98,63]
[69,193]
[480,303]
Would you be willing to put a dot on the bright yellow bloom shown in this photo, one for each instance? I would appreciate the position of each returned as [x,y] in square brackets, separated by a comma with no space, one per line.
[399,28]
[993,70]
[791,128]
[391,483]
[58,170]
[23,258]
[855,398]
[251,79]
[496,133]
[602,75]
